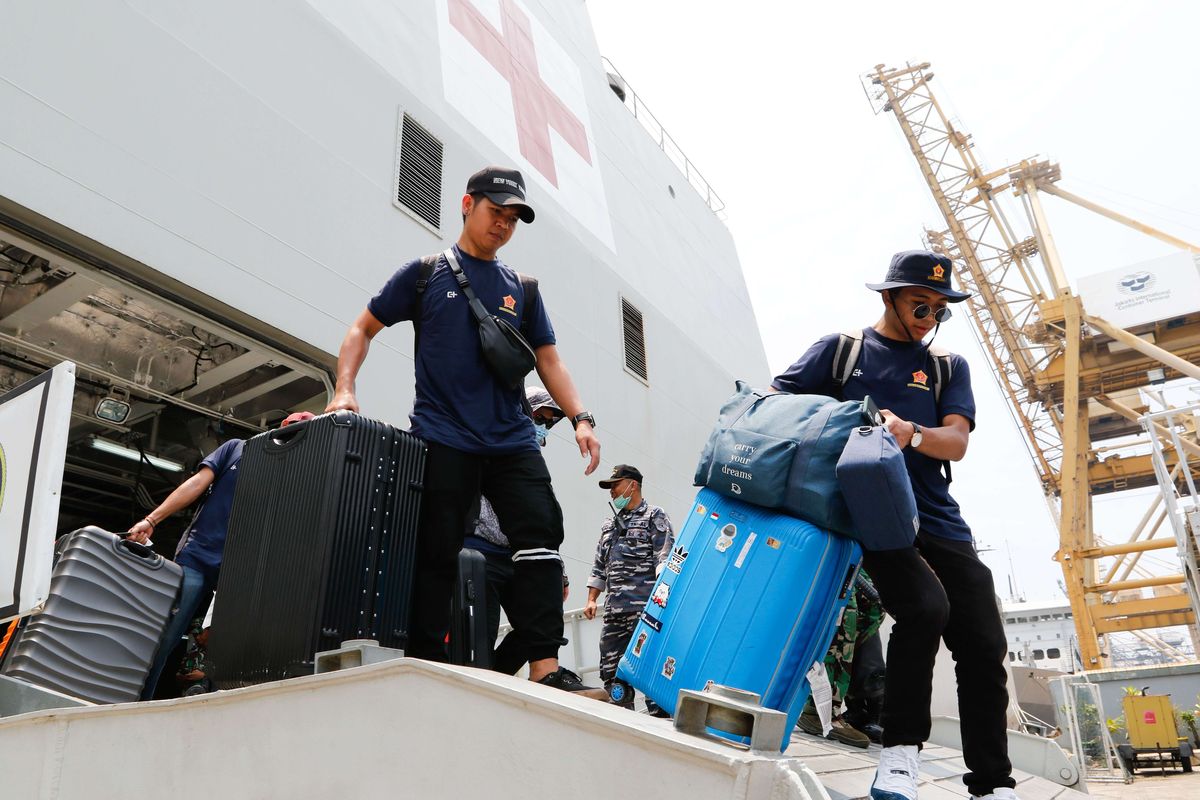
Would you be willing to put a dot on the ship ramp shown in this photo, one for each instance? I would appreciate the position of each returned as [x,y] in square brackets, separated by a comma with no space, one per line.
[413,729]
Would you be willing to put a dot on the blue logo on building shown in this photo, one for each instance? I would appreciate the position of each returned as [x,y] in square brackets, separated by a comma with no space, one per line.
[1136,283]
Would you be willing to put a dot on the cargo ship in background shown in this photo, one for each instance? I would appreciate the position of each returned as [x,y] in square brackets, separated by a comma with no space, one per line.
[194,206]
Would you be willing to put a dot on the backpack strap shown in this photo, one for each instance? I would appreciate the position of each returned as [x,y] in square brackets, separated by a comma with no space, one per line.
[424,273]
[940,374]
[845,357]
[943,369]
[529,287]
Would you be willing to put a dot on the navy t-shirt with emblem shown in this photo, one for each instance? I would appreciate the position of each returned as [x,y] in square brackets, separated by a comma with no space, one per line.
[897,377]
[204,543]
[458,402]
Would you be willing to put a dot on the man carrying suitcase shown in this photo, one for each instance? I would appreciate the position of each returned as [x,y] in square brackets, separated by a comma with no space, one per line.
[202,546]
[938,589]
[634,544]
[478,435]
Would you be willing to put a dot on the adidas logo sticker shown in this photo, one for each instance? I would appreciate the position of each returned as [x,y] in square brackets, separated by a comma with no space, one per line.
[675,562]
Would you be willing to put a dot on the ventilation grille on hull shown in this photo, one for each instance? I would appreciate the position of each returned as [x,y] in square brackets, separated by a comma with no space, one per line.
[635,339]
[419,172]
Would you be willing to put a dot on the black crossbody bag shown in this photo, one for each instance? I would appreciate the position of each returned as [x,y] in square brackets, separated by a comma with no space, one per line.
[505,351]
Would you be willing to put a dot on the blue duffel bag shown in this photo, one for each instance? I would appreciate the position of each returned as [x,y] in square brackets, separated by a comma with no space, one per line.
[781,451]
[877,489]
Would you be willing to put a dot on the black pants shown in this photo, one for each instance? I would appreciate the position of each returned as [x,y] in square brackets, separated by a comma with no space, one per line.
[518,487]
[939,589]
[499,592]
[511,655]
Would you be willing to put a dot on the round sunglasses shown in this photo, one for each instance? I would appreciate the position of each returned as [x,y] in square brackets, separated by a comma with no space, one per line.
[924,310]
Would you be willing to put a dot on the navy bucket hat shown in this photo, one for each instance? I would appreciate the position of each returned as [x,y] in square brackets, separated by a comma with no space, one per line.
[920,268]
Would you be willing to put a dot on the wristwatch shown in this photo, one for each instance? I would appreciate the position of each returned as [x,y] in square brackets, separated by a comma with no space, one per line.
[583,416]
[917,436]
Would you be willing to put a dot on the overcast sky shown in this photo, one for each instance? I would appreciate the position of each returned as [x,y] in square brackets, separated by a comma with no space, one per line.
[765,99]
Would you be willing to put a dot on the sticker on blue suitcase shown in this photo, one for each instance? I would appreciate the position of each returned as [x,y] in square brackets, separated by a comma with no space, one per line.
[661,593]
[676,559]
[741,559]
[638,644]
[651,621]
[668,671]
[725,540]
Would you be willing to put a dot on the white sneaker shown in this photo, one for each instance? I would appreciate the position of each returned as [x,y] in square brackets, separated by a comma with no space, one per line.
[999,793]
[896,778]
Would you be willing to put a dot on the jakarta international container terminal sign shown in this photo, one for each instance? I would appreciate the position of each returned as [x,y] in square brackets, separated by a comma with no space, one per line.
[34,420]
[1148,292]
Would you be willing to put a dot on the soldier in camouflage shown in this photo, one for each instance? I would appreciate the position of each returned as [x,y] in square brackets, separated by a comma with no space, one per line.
[634,545]
[863,617]
[860,620]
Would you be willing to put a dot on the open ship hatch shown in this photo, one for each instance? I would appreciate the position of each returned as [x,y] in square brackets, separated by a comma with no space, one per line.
[188,382]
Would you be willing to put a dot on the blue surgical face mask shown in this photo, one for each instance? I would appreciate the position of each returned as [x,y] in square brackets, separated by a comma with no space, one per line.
[622,502]
[541,432]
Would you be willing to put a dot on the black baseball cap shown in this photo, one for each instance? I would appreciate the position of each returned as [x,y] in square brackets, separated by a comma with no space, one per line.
[621,472]
[920,268]
[504,187]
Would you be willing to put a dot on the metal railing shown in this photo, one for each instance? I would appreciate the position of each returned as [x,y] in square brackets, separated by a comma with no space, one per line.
[1169,431]
[664,140]
[572,622]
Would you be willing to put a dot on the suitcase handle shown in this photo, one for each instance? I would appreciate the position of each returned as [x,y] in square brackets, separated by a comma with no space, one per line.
[138,551]
[283,438]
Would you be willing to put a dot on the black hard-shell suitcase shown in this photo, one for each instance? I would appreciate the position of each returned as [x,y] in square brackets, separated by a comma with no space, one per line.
[95,638]
[320,546]
[469,643]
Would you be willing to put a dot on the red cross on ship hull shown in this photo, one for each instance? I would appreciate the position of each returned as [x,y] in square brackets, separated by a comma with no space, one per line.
[537,107]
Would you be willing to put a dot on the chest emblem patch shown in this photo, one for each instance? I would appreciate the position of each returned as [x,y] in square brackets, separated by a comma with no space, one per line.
[920,380]
[509,304]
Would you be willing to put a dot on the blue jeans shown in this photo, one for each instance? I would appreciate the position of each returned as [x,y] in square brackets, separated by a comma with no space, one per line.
[194,595]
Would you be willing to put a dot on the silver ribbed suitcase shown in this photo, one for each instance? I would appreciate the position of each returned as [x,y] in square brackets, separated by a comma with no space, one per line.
[95,638]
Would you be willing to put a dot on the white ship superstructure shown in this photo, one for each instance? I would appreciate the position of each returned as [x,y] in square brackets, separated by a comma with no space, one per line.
[195,202]
[1040,634]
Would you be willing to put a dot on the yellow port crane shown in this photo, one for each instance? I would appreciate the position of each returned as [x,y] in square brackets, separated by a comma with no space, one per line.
[1073,381]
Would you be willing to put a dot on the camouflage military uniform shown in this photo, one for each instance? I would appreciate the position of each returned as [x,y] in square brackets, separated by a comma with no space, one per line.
[862,618]
[633,547]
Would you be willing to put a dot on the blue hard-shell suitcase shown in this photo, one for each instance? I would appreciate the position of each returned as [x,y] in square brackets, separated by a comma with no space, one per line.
[749,598]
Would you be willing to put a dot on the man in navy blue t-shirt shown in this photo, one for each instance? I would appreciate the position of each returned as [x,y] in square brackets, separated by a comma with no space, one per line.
[937,589]
[202,547]
[479,437]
